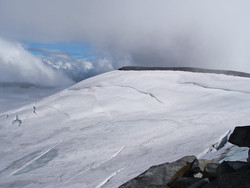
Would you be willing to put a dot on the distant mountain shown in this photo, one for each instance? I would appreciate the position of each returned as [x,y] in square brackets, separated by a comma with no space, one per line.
[188,69]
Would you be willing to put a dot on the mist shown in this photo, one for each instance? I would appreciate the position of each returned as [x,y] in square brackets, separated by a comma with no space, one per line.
[206,34]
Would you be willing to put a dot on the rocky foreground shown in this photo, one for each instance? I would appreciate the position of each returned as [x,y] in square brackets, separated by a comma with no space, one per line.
[190,172]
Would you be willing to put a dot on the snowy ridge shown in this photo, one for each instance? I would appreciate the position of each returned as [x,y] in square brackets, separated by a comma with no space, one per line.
[116,125]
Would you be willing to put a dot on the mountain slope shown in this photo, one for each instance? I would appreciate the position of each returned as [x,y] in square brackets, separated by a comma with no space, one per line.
[107,129]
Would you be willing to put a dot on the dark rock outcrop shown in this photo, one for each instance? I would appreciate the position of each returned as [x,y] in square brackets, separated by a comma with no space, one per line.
[161,175]
[210,171]
[200,183]
[184,182]
[199,166]
[187,69]
[181,174]
[241,136]
[238,175]
[224,168]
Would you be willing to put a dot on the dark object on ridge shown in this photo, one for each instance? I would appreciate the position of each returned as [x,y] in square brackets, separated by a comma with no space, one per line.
[240,136]
[188,69]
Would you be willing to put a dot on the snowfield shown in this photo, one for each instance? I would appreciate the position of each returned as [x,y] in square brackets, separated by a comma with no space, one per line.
[108,129]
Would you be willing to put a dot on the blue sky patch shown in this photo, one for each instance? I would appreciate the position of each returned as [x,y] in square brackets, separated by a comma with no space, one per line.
[74,50]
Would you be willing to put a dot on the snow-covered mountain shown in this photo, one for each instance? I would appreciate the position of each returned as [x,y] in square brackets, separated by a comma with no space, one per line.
[108,129]
[15,95]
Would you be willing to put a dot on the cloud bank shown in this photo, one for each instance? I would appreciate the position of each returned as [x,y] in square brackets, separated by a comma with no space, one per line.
[76,68]
[53,68]
[19,66]
[206,34]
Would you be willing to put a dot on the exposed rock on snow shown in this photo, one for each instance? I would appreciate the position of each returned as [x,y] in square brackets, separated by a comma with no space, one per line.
[200,165]
[161,174]
[241,136]
[210,170]
[228,174]
[200,173]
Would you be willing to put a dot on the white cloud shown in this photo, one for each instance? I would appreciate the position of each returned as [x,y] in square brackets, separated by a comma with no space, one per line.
[78,68]
[19,66]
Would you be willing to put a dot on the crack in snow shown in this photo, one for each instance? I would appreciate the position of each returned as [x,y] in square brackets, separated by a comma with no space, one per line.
[17,120]
[143,92]
[112,157]
[36,158]
[34,109]
[108,178]
[217,88]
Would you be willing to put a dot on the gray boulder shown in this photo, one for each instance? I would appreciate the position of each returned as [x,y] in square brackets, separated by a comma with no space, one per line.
[200,183]
[199,166]
[241,136]
[224,168]
[233,174]
[210,170]
[227,167]
[162,174]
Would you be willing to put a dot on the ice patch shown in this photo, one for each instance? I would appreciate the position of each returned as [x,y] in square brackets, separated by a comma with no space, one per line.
[216,146]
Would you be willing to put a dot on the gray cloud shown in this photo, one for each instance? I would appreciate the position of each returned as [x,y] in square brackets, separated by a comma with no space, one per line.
[209,34]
